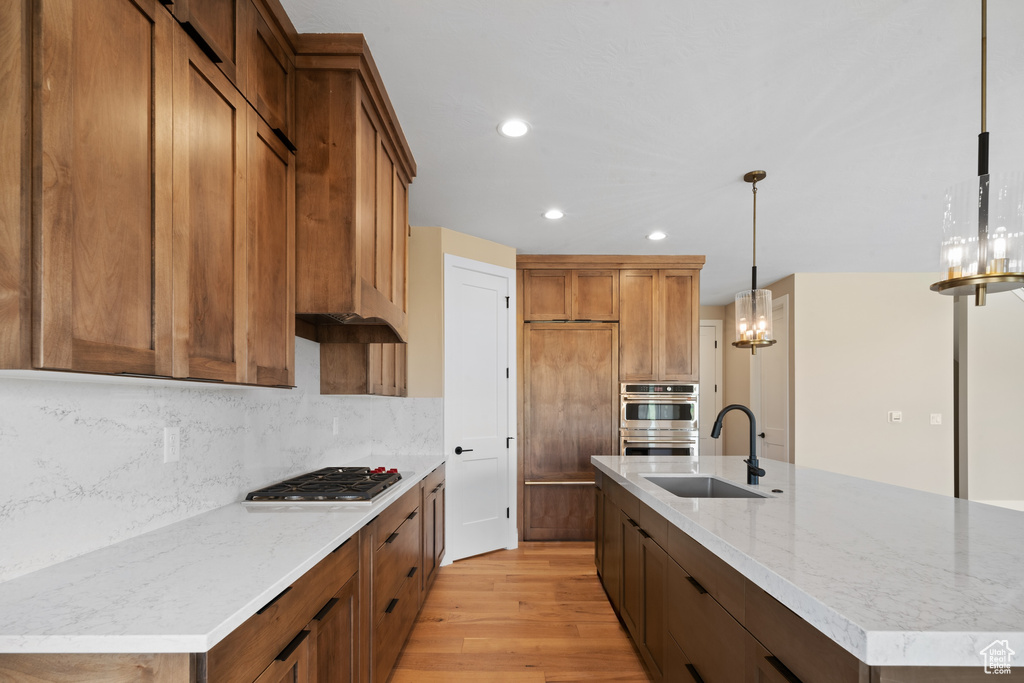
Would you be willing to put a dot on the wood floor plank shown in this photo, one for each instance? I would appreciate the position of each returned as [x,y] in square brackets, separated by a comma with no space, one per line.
[536,613]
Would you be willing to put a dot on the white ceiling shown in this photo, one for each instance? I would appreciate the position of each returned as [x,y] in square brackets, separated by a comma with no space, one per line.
[646,114]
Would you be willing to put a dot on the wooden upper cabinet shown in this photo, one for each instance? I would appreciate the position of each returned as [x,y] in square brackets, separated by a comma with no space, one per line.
[595,295]
[103,217]
[353,169]
[270,86]
[210,119]
[571,295]
[638,325]
[270,257]
[679,310]
[547,294]
[219,28]
[659,325]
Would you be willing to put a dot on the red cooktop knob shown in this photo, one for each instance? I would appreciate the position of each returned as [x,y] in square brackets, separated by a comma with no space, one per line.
[393,470]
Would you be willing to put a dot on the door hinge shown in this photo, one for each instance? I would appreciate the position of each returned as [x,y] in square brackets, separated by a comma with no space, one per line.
[506,302]
[508,515]
[716,388]
[507,376]
[716,343]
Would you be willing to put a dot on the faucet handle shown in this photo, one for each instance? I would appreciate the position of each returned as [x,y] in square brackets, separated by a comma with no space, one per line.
[754,469]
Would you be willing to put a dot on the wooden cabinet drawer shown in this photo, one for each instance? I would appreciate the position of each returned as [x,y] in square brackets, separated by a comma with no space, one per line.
[251,648]
[804,650]
[433,480]
[388,521]
[390,632]
[711,639]
[725,584]
[394,561]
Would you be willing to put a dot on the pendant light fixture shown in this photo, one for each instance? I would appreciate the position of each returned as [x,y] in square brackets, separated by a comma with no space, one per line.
[983,225]
[754,307]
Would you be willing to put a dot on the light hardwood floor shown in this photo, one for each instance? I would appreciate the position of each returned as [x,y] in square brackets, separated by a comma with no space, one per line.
[534,614]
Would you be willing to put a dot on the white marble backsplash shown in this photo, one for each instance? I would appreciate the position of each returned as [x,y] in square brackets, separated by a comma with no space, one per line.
[81,458]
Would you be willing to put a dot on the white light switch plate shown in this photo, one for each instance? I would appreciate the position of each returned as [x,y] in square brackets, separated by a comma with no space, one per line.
[895,416]
[936,418]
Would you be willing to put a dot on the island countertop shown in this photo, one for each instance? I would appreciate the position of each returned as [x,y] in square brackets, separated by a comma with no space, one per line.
[895,576]
[186,586]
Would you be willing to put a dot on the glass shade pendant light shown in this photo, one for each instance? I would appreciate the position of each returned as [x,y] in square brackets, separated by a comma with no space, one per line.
[754,307]
[983,225]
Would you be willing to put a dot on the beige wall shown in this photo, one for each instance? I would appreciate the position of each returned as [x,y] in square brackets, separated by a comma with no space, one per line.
[869,343]
[995,394]
[427,247]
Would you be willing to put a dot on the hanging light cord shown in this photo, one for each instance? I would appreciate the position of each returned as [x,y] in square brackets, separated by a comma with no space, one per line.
[753,269]
[984,59]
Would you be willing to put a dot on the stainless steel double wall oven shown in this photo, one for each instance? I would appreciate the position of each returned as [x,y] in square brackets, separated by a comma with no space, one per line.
[658,418]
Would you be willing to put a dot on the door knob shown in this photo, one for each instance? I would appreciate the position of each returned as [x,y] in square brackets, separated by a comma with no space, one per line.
[761,435]
[459,450]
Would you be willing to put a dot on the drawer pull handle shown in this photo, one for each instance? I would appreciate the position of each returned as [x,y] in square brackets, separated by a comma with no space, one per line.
[632,523]
[413,514]
[326,608]
[391,538]
[693,672]
[292,646]
[437,488]
[696,584]
[340,546]
[643,533]
[781,668]
[411,572]
[391,606]
[265,607]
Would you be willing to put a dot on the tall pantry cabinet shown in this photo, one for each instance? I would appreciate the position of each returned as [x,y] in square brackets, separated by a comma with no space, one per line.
[586,324]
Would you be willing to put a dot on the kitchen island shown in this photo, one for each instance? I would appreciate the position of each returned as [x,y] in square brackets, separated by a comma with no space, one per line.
[893,576]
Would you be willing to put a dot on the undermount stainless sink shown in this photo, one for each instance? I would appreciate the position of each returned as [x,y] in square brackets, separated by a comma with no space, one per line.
[701,486]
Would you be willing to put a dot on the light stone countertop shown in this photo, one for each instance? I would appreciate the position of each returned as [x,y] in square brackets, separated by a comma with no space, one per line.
[895,576]
[186,586]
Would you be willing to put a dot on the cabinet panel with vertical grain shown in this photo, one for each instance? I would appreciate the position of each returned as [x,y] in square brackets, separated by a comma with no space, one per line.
[210,118]
[638,325]
[270,84]
[337,636]
[595,295]
[547,294]
[103,220]
[219,27]
[679,325]
[270,257]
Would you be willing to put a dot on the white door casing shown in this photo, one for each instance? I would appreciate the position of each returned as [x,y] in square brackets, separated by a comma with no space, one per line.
[710,401]
[769,388]
[479,407]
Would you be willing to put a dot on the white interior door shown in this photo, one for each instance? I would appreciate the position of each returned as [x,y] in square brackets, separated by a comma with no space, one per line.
[479,410]
[770,388]
[710,398]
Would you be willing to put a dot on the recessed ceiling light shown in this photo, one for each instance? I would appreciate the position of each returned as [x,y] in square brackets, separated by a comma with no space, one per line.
[656,235]
[514,128]
[553,214]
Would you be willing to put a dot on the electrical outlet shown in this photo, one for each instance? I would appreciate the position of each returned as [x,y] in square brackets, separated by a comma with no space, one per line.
[172,444]
[895,416]
[335,426]
[936,418]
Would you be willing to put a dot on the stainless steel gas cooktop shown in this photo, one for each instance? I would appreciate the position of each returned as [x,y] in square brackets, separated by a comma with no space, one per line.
[330,484]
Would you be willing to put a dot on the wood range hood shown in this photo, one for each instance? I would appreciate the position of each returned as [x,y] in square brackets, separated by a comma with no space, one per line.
[353,170]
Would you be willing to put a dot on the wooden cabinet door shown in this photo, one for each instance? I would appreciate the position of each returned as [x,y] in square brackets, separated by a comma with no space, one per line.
[439,513]
[219,28]
[654,570]
[208,219]
[611,576]
[595,295]
[638,325]
[270,257]
[547,294]
[631,609]
[599,529]
[570,387]
[679,325]
[271,78]
[708,635]
[337,637]
[103,241]
[292,665]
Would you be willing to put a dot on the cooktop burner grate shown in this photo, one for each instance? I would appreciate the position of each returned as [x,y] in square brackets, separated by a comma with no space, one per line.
[330,484]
